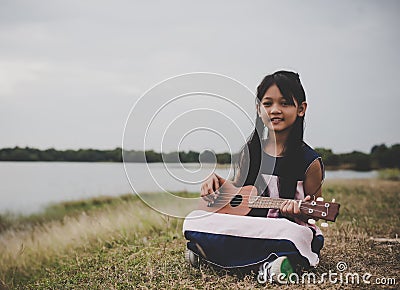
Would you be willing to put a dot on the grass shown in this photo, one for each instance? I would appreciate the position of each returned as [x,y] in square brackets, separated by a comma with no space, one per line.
[110,243]
[389,174]
[58,211]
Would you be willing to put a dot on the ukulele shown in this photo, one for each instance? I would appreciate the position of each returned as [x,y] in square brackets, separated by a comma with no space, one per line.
[240,201]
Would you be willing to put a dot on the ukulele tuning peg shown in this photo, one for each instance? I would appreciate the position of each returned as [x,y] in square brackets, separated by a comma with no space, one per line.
[324,225]
[320,199]
[333,200]
[311,221]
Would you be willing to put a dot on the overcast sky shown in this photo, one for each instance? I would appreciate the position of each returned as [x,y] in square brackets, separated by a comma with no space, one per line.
[70,71]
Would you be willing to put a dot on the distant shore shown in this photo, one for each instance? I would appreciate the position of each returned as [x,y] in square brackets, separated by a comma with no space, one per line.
[380,157]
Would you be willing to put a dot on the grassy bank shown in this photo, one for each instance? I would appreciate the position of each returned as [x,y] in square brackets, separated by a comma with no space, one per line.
[389,174]
[121,243]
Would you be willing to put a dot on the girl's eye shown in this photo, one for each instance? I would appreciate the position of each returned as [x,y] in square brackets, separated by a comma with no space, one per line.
[267,104]
[285,104]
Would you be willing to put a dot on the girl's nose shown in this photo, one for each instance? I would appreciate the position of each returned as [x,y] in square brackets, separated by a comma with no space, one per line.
[275,109]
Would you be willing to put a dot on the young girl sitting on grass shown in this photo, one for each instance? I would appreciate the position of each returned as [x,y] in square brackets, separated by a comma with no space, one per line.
[280,165]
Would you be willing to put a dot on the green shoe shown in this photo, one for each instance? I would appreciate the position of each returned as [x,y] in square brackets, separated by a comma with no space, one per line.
[278,271]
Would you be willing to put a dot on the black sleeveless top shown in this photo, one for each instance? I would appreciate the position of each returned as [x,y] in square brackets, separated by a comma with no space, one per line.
[271,170]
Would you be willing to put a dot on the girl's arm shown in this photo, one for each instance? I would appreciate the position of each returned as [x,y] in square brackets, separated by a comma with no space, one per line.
[313,179]
[312,189]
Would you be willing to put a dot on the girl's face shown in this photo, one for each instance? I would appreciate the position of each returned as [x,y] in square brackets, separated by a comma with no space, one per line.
[276,113]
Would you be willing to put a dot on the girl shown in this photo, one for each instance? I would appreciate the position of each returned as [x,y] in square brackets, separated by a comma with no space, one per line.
[282,164]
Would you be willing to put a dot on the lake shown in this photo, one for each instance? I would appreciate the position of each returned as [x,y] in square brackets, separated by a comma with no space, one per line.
[27,187]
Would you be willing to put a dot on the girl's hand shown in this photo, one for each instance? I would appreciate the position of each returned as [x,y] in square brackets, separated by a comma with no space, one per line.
[290,208]
[210,188]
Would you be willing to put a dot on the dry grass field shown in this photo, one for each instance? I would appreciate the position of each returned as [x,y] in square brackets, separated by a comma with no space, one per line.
[120,243]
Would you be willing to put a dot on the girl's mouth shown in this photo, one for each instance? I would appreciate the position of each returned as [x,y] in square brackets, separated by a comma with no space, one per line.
[276,120]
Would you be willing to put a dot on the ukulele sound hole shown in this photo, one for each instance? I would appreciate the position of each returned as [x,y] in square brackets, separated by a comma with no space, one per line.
[236,201]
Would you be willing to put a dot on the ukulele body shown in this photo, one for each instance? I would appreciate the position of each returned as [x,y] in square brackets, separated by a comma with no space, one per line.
[231,200]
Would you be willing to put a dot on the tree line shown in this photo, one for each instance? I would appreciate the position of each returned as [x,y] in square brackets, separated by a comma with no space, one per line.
[381,156]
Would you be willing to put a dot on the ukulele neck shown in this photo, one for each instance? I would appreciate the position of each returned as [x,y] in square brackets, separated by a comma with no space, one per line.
[266,202]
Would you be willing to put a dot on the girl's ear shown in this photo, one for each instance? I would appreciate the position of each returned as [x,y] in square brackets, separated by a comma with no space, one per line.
[302,109]
[258,110]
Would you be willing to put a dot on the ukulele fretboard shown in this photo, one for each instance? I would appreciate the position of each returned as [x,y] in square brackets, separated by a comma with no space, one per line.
[265,202]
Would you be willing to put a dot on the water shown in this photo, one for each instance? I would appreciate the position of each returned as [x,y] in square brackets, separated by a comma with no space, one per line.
[27,187]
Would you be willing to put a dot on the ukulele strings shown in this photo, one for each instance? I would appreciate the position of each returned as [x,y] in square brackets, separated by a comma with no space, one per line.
[301,207]
[225,202]
[228,196]
[274,199]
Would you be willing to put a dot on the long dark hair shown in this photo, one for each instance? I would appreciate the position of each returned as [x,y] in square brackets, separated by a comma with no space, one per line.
[251,154]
